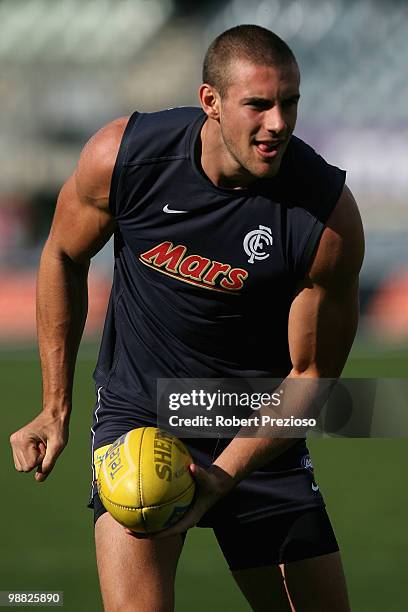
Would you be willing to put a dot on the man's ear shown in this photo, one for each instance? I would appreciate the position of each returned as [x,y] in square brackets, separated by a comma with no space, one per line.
[210,101]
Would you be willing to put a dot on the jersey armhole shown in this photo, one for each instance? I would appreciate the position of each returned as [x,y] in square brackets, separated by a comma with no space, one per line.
[120,162]
[310,248]
[312,241]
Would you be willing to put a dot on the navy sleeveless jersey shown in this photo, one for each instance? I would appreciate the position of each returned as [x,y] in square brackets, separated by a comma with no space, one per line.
[204,276]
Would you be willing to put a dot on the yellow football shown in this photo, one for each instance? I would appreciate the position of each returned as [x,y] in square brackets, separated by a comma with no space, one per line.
[144,481]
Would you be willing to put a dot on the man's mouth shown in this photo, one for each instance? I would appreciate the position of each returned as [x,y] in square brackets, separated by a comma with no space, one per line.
[268,148]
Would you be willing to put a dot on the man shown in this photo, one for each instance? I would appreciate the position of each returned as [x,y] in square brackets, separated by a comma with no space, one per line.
[182,190]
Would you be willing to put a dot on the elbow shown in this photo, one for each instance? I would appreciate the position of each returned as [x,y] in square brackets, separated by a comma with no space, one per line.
[53,252]
[317,370]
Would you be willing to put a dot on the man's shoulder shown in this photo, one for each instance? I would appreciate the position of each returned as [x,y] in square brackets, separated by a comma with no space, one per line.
[303,158]
[308,181]
[340,251]
[160,135]
[109,137]
[169,117]
[189,112]
[102,147]
[97,160]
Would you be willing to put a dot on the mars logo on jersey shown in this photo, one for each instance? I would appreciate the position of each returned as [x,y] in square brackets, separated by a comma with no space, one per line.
[194,269]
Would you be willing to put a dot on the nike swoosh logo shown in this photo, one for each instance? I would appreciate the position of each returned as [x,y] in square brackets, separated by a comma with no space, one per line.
[166,209]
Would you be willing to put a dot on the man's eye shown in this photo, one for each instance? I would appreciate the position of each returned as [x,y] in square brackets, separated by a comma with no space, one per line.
[290,102]
[258,106]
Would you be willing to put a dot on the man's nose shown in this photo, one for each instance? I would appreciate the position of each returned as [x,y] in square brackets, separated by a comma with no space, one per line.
[274,120]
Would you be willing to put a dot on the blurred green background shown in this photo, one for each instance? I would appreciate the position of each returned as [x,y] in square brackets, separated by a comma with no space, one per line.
[47,533]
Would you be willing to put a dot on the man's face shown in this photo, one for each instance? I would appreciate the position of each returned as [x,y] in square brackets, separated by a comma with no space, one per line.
[258,115]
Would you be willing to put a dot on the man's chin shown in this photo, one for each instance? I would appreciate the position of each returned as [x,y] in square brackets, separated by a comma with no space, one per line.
[268,170]
[257,171]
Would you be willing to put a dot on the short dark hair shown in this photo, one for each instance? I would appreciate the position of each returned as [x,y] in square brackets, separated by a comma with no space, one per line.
[249,42]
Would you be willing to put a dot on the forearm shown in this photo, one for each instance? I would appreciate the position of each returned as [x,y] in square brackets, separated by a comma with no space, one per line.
[245,455]
[61,313]
[322,327]
[302,397]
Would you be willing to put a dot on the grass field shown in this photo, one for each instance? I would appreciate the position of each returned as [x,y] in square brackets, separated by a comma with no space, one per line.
[47,535]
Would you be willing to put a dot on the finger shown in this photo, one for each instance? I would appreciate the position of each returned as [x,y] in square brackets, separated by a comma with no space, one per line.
[47,463]
[40,476]
[195,470]
[172,531]
[189,520]
[136,534]
[28,457]
[17,463]
[198,473]
[201,477]
[16,458]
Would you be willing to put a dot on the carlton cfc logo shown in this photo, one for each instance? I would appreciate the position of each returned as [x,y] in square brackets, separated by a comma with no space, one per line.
[256,242]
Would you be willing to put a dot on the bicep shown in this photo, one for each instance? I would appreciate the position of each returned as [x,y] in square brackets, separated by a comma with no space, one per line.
[322,327]
[81,226]
[324,314]
[82,222]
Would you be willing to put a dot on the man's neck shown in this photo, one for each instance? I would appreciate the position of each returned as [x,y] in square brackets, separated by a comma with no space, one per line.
[216,163]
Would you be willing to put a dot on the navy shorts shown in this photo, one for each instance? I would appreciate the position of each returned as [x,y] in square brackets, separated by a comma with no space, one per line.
[275,515]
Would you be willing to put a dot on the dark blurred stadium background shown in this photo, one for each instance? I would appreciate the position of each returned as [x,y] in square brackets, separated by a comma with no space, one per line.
[70,66]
